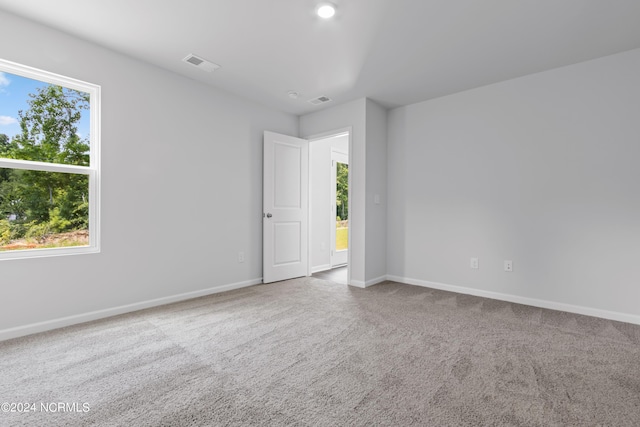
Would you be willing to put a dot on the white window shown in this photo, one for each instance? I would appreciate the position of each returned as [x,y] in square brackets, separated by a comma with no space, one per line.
[49,164]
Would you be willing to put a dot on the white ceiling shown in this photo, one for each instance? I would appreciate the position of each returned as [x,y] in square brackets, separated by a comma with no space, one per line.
[395,52]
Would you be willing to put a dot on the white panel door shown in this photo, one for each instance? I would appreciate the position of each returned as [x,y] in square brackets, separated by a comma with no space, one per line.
[285,207]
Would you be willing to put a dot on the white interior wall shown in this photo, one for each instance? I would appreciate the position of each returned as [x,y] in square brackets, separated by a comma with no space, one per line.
[350,115]
[542,170]
[367,169]
[320,199]
[181,189]
[376,205]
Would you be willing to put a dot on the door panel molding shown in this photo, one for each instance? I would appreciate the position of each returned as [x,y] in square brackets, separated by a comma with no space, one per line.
[285,207]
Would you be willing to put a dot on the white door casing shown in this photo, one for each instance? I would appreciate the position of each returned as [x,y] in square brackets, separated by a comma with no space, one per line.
[285,207]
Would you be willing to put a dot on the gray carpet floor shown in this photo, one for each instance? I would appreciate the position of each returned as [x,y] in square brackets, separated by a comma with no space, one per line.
[313,352]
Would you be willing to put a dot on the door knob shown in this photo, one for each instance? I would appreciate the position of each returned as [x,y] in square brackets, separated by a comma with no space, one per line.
[269,215]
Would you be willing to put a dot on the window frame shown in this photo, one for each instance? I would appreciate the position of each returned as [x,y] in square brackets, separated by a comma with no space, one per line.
[92,171]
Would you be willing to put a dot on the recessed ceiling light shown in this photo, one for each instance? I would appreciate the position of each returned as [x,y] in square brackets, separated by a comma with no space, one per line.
[326,10]
[293,94]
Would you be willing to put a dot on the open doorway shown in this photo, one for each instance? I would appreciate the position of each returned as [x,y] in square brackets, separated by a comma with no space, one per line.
[339,200]
[329,206]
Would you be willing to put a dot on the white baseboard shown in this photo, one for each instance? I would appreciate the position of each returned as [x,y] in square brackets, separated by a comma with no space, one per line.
[34,328]
[552,305]
[371,282]
[320,268]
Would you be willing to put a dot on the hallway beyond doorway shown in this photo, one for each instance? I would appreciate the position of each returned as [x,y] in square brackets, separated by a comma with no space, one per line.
[336,275]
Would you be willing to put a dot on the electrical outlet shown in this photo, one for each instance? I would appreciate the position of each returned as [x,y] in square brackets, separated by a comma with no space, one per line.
[241,256]
[508,265]
[474,263]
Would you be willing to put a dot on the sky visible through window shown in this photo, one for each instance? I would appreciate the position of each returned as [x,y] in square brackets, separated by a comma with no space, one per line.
[14,94]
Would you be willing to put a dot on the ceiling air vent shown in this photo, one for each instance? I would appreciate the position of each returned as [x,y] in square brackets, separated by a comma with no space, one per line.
[319,100]
[201,63]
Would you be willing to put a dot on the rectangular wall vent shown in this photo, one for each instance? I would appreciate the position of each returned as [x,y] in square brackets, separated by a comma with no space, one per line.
[201,63]
[194,60]
[319,100]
